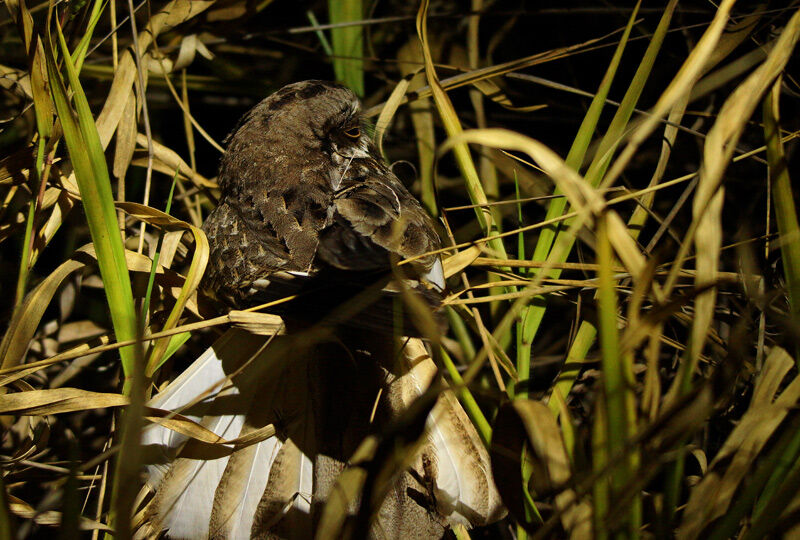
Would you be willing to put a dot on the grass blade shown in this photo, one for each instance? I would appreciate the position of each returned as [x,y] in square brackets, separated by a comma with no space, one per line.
[6,519]
[618,383]
[91,174]
[783,200]
[453,128]
[348,43]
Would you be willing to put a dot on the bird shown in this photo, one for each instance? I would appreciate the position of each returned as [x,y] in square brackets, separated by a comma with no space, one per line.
[310,211]
[304,191]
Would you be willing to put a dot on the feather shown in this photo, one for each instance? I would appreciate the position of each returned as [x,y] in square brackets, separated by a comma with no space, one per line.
[206,379]
[435,276]
[275,487]
[284,508]
[185,490]
[241,486]
[184,497]
[453,460]
[201,376]
[248,476]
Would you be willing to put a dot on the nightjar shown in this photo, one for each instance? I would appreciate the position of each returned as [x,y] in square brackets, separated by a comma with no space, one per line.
[309,206]
[309,209]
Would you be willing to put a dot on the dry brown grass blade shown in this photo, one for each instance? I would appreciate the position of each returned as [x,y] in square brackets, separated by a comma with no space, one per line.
[529,291]
[260,324]
[485,88]
[61,208]
[126,140]
[51,517]
[170,162]
[57,401]
[682,84]
[548,447]
[26,319]
[114,107]
[712,497]
[171,15]
[66,400]
[458,262]
[516,263]
[15,167]
[16,79]
[707,205]
[389,110]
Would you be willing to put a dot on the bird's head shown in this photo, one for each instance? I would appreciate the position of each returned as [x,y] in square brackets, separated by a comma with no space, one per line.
[314,122]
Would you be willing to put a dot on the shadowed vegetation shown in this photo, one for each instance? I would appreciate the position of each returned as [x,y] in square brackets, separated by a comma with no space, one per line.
[613,187]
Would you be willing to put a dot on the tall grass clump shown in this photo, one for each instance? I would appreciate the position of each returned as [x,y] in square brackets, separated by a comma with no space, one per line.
[614,193]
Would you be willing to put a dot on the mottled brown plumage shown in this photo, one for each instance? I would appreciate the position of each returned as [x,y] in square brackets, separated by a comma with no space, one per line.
[305,190]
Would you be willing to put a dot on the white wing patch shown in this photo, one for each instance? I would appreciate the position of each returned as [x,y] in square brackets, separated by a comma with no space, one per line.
[435,276]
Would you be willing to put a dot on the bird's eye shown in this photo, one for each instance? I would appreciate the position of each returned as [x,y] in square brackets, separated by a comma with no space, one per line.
[353,132]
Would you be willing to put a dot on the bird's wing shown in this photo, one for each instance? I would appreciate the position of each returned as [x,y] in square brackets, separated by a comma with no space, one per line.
[452,459]
[375,219]
[222,492]
[243,249]
[274,230]
[275,485]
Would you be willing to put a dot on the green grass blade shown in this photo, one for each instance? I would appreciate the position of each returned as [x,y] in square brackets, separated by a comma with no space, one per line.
[79,54]
[618,382]
[459,328]
[348,43]
[584,339]
[6,518]
[783,200]
[154,267]
[91,173]
[175,343]
[468,401]
[601,492]
[27,240]
[532,316]
[323,40]
[776,498]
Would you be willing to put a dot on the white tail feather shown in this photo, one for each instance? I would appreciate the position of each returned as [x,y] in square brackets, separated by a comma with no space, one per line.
[463,484]
[269,486]
[203,375]
[248,472]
